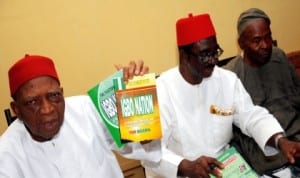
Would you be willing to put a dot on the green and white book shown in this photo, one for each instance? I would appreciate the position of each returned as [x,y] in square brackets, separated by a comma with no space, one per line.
[235,165]
[103,97]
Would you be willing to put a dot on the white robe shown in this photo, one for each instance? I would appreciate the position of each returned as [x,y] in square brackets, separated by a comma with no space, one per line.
[190,130]
[81,149]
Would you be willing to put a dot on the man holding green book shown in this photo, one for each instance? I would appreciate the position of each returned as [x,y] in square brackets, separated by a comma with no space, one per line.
[55,136]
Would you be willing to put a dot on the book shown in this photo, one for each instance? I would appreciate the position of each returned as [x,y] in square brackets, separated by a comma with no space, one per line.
[235,165]
[138,111]
[104,99]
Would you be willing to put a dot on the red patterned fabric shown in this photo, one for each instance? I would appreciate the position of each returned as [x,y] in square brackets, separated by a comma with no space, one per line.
[194,28]
[30,67]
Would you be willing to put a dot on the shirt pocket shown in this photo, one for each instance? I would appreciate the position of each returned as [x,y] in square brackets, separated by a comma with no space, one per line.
[221,129]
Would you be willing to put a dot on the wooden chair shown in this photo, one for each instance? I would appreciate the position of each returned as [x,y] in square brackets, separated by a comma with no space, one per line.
[9,117]
[294,58]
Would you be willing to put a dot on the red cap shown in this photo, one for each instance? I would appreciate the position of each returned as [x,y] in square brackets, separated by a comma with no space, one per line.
[29,68]
[194,28]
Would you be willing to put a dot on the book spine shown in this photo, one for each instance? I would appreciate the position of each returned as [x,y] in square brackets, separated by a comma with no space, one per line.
[119,83]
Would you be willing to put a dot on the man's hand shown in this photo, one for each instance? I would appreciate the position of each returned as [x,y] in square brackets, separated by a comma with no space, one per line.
[290,149]
[133,68]
[200,167]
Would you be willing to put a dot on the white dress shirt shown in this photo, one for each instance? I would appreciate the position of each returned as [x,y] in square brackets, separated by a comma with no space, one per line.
[190,130]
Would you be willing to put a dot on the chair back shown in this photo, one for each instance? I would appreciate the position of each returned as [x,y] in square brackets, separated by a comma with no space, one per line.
[294,58]
[9,117]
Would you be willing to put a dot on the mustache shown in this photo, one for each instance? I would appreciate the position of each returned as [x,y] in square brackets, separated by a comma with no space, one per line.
[194,70]
[265,51]
[210,65]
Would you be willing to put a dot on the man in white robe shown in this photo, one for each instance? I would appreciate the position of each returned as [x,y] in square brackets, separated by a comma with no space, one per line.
[199,103]
[55,137]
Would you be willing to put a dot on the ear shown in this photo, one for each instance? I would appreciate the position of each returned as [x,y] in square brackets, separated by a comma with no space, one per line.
[241,42]
[183,56]
[62,90]
[15,109]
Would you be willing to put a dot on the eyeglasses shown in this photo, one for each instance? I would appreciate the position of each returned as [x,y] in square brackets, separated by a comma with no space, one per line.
[206,56]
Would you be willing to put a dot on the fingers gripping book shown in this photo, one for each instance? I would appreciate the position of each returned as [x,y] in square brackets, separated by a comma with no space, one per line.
[235,165]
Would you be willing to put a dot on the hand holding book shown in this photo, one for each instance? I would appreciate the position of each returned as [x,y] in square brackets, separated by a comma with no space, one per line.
[203,166]
[234,165]
[134,68]
[133,111]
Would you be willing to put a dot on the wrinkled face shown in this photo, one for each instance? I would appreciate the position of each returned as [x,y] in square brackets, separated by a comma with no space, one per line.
[256,42]
[199,61]
[40,104]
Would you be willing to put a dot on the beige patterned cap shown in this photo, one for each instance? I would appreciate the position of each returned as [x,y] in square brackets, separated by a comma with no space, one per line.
[249,16]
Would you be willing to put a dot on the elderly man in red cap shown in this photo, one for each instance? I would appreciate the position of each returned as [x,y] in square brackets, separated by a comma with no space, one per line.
[199,104]
[58,137]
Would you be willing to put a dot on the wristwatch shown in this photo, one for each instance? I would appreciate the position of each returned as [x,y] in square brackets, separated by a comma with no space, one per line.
[276,139]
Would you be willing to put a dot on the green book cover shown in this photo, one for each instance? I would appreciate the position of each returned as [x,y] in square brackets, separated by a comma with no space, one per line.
[103,97]
[235,165]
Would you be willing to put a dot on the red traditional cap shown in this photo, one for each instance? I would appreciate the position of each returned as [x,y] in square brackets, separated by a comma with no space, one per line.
[29,68]
[194,28]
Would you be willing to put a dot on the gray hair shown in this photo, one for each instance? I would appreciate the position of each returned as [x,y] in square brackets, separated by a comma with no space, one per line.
[250,15]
